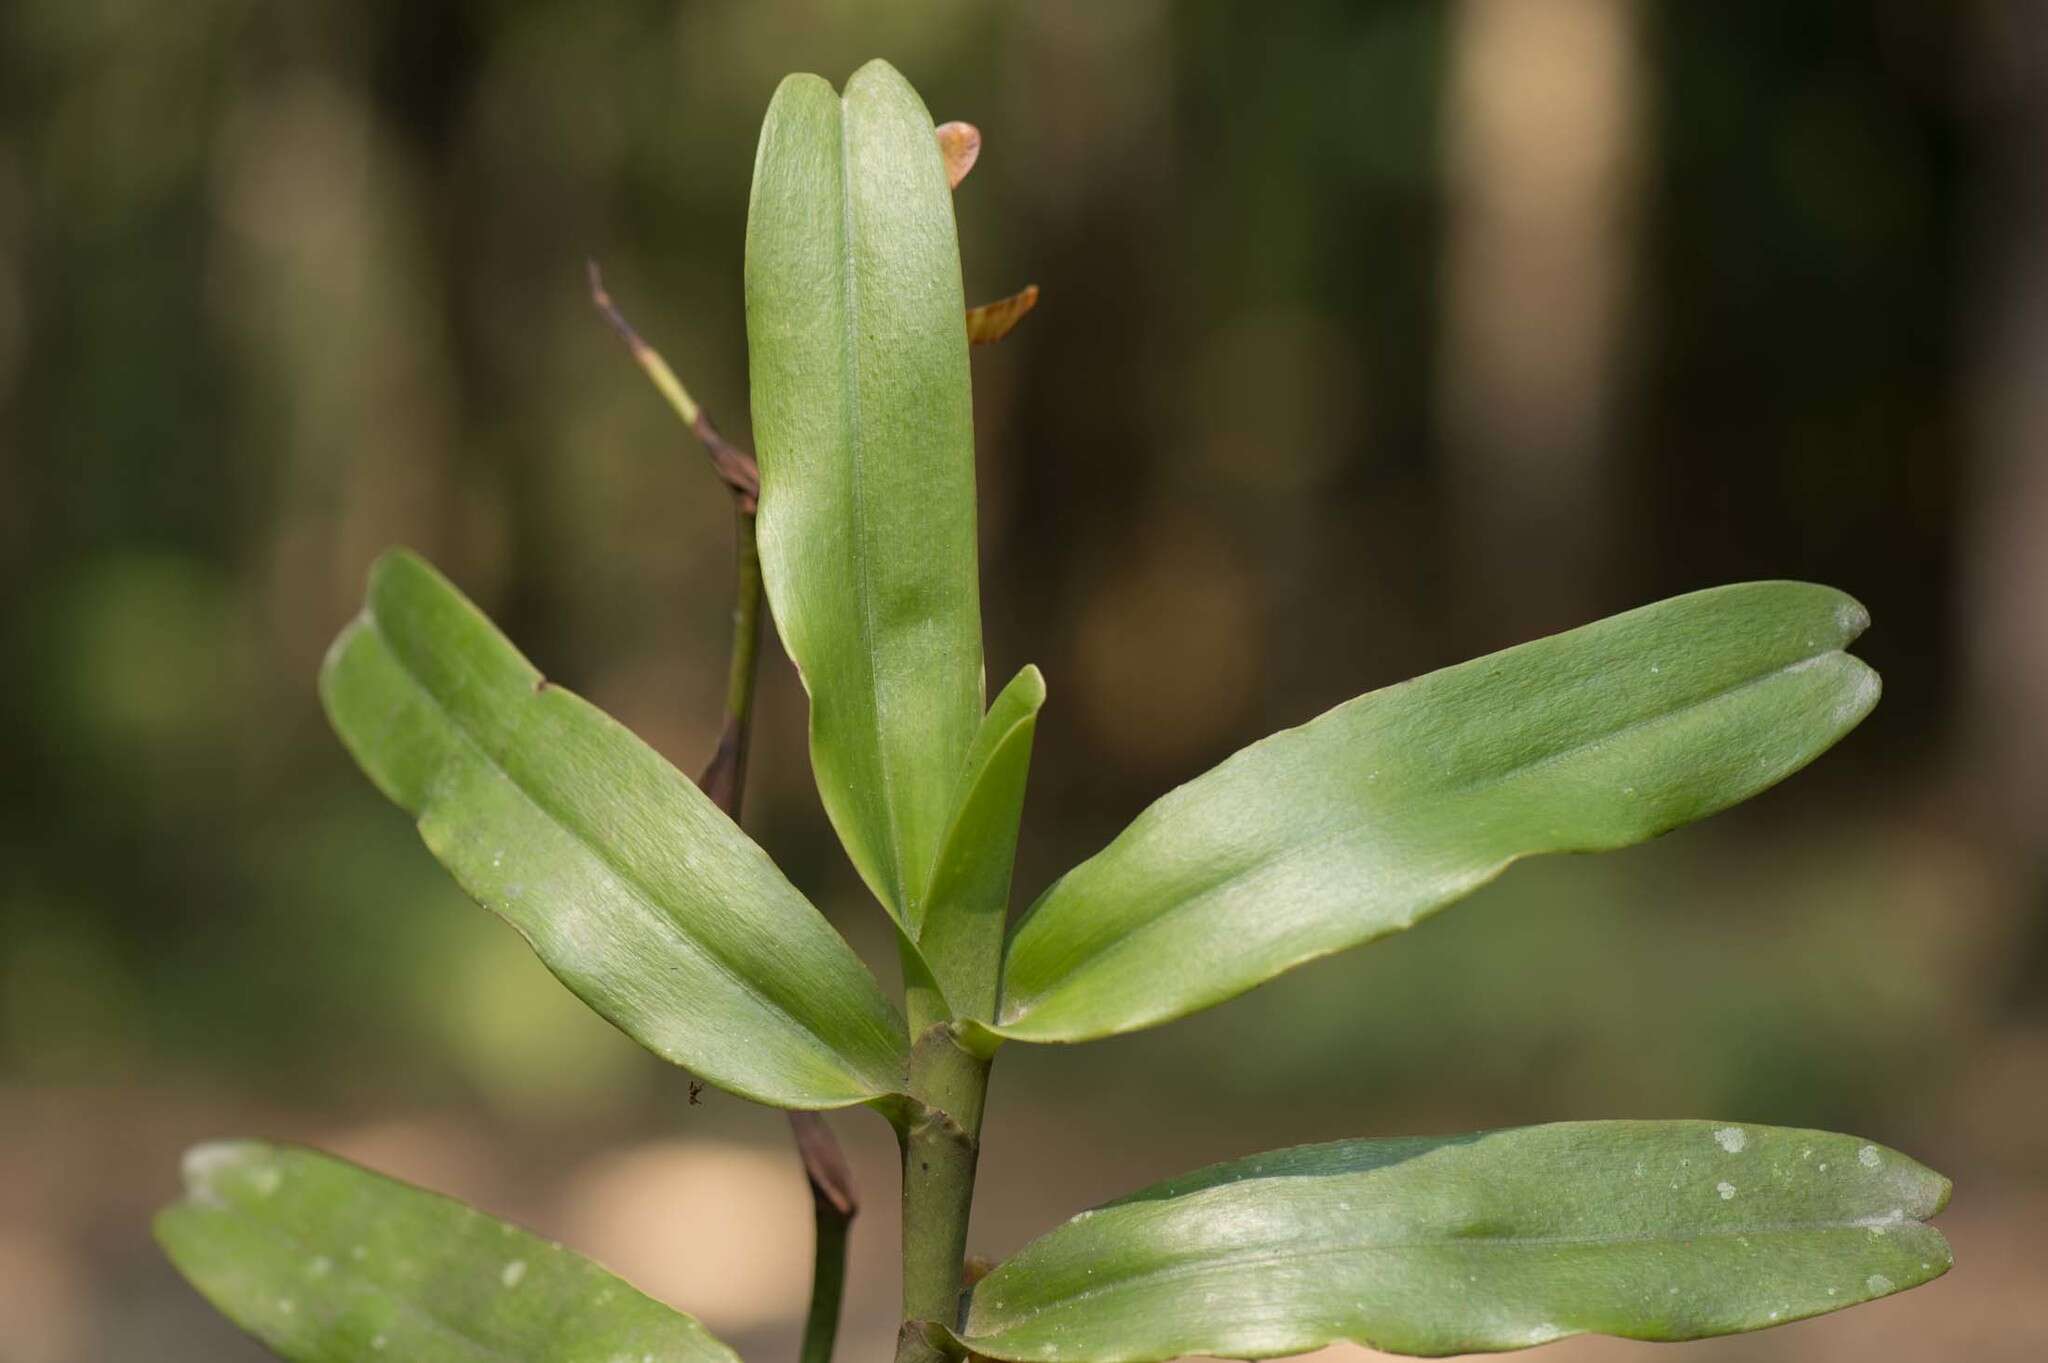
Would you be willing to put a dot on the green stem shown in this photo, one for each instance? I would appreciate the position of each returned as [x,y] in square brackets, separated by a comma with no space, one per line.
[746,625]
[941,1146]
[832,1209]
[828,1281]
[725,779]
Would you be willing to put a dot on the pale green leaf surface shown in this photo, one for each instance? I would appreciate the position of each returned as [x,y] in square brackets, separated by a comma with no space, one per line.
[1646,1230]
[633,888]
[857,340]
[961,934]
[329,1263]
[1395,804]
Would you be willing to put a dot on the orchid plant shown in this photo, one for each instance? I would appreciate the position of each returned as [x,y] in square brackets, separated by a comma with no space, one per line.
[640,891]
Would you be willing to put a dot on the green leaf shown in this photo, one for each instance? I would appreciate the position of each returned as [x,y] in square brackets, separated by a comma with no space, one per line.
[961,935]
[635,890]
[857,338]
[328,1263]
[1390,806]
[1646,1230]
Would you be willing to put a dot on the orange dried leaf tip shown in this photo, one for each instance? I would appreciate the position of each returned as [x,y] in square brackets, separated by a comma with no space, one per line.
[960,145]
[991,322]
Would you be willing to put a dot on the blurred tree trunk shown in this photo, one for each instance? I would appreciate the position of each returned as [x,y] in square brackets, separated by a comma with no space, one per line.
[2006,539]
[1542,120]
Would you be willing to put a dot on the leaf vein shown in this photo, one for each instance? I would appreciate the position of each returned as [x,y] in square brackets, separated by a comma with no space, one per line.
[1263,1258]
[863,588]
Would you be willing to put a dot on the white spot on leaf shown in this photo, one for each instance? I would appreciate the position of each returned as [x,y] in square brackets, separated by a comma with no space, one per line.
[205,1165]
[511,1273]
[1868,1157]
[1733,1139]
[1725,1189]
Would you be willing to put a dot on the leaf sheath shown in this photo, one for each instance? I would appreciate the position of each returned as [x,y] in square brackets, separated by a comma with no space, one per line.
[961,932]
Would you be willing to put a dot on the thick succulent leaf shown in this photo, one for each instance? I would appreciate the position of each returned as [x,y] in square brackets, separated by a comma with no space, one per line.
[328,1263]
[857,336]
[636,891]
[1393,805]
[1647,1230]
[961,933]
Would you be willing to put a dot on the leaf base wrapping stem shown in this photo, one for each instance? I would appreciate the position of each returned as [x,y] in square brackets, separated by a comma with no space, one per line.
[919,1341]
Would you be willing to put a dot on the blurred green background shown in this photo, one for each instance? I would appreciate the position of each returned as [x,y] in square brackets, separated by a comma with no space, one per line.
[1375,334]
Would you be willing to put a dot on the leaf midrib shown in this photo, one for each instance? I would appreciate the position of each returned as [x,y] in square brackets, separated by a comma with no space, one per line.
[850,340]
[1236,875]
[644,897]
[1250,1259]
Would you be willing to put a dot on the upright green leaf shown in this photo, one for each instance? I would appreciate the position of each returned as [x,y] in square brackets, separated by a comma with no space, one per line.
[637,892]
[857,337]
[961,933]
[328,1263]
[1395,804]
[1646,1230]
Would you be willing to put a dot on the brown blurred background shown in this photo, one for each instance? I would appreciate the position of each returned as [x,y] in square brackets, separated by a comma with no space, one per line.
[1375,335]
